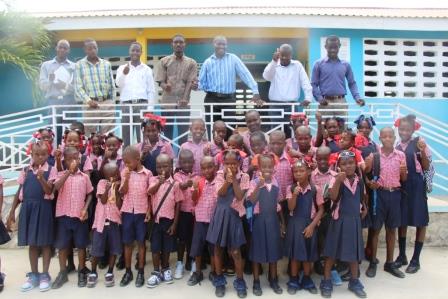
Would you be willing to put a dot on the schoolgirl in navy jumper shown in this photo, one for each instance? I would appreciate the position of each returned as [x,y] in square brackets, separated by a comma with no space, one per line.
[305,212]
[268,224]
[4,236]
[112,145]
[414,206]
[226,228]
[344,238]
[36,219]
[73,138]
[47,135]
[328,134]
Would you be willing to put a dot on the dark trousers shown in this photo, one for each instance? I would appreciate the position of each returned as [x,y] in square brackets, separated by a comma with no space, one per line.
[217,114]
[174,117]
[128,130]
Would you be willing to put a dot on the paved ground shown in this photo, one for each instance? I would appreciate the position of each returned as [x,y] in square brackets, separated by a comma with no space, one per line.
[430,282]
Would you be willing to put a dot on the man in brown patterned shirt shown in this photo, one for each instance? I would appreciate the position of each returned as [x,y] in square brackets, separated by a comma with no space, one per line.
[177,75]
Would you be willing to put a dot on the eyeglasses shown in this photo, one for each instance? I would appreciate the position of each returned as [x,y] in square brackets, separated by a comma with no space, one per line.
[346,154]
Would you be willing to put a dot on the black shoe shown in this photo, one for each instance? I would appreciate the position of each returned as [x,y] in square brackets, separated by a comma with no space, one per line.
[82,277]
[248,268]
[140,280]
[273,283]
[326,288]
[357,288]
[195,279]
[127,278]
[371,271]
[393,269]
[346,276]
[120,263]
[71,268]
[401,261]
[413,267]
[220,291]
[308,284]
[256,289]
[60,280]
[293,285]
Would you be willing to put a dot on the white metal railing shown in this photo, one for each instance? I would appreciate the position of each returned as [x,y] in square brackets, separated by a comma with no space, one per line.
[16,128]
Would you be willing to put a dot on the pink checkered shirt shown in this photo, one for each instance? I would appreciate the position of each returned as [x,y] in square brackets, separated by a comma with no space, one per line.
[87,164]
[187,204]
[72,195]
[166,147]
[98,159]
[320,179]
[206,204]
[418,167]
[390,169]
[283,174]
[352,189]
[136,200]
[319,201]
[244,179]
[216,149]
[103,212]
[168,207]
[198,153]
[51,178]
[253,185]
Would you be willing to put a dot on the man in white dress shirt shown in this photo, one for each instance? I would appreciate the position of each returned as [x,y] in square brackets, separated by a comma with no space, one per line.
[136,84]
[287,77]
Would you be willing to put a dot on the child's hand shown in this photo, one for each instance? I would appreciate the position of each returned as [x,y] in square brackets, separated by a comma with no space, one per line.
[308,232]
[374,185]
[83,215]
[58,153]
[403,168]
[207,150]
[364,211]
[318,117]
[40,173]
[341,176]
[148,216]
[325,134]
[297,190]
[162,178]
[282,230]
[292,152]
[421,145]
[261,180]
[147,147]
[127,173]
[190,180]
[11,221]
[229,176]
[73,167]
[172,230]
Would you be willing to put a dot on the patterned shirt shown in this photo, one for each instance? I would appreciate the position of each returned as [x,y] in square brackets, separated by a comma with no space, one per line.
[51,177]
[215,149]
[283,174]
[187,204]
[107,211]
[206,204]
[136,200]
[390,169]
[244,179]
[350,187]
[319,180]
[72,195]
[219,74]
[168,207]
[253,185]
[198,153]
[166,147]
[50,67]
[94,80]
[319,200]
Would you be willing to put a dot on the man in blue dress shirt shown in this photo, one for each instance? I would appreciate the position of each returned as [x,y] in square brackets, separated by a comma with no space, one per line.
[328,80]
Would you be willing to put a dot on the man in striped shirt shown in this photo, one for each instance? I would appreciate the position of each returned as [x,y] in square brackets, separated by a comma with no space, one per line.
[94,86]
[218,79]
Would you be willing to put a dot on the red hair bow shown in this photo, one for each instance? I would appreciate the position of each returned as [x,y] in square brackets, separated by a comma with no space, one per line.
[300,116]
[157,118]
[361,141]
[397,123]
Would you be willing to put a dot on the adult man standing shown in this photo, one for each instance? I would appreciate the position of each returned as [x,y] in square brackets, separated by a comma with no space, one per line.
[177,75]
[56,81]
[287,77]
[94,86]
[136,84]
[218,79]
[328,80]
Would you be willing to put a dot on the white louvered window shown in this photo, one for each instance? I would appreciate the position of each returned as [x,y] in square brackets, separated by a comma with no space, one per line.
[405,68]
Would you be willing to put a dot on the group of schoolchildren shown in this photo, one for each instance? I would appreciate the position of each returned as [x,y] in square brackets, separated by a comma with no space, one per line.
[235,203]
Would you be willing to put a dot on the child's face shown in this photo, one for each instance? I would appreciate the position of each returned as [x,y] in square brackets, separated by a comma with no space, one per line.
[151,133]
[405,130]
[70,157]
[266,167]
[72,139]
[346,141]
[197,130]
[365,129]
[186,164]
[277,144]
[208,170]
[322,162]
[46,136]
[301,173]
[39,154]
[332,127]
[112,145]
[231,162]
[348,165]
[257,145]
[111,173]
[303,140]
[96,145]
[297,123]
[220,130]
[234,144]
[387,138]
[253,122]
[131,162]
[164,166]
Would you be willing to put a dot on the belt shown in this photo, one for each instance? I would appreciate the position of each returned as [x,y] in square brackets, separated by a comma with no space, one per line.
[135,101]
[100,99]
[334,97]
[220,95]
[109,222]
[390,189]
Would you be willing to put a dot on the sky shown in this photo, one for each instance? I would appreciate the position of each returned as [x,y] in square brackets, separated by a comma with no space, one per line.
[83,5]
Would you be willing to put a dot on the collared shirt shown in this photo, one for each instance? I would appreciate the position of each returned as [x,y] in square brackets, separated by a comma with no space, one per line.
[418,166]
[283,174]
[328,79]
[94,80]
[136,200]
[319,200]
[351,187]
[50,67]
[215,149]
[166,147]
[72,195]
[253,185]
[168,207]
[286,81]
[138,84]
[237,205]
[206,204]
[179,73]
[320,179]
[219,74]
[198,153]
[107,211]
[187,204]
[51,177]
[390,168]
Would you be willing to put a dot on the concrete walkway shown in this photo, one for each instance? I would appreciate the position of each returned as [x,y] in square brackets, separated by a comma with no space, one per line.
[430,282]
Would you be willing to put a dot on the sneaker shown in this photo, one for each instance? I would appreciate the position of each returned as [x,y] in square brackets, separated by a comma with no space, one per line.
[219,282]
[82,277]
[256,289]
[293,285]
[60,280]
[326,288]
[394,270]
[336,278]
[109,280]
[371,271]
[167,276]
[127,278]
[413,267]
[308,284]
[357,288]
[195,279]
[32,281]
[179,272]
[44,282]
[154,280]
[240,286]
[92,279]
[401,261]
